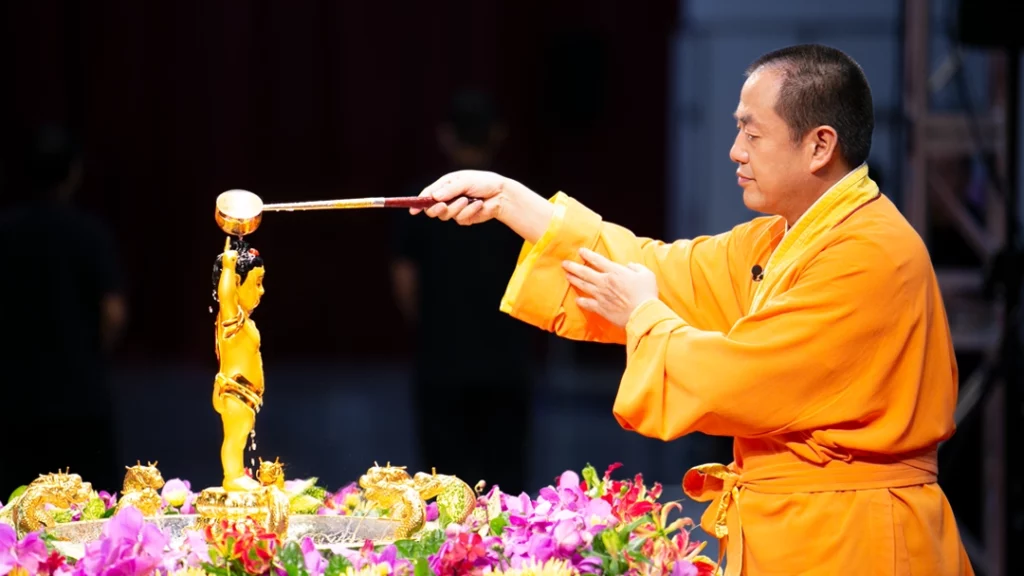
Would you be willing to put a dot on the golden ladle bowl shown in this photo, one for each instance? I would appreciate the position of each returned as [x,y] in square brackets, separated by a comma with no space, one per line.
[239,212]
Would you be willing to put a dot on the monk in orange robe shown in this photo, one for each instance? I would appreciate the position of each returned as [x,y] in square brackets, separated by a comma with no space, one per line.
[815,336]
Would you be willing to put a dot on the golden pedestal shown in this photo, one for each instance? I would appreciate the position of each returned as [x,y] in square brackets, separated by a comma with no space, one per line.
[266,507]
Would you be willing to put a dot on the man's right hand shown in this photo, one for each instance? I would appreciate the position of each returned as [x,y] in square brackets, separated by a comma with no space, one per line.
[467,196]
[474,196]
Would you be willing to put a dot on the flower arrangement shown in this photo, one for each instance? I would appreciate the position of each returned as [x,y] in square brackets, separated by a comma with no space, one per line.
[593,525]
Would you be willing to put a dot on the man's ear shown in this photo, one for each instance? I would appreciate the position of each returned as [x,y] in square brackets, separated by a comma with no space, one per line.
[824,145]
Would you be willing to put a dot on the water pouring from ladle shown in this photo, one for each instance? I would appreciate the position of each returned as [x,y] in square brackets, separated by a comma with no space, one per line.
[240,212]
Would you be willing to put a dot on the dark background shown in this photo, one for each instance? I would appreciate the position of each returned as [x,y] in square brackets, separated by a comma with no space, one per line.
[177,102]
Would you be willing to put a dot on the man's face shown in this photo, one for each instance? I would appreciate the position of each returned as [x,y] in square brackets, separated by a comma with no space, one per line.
[772,167]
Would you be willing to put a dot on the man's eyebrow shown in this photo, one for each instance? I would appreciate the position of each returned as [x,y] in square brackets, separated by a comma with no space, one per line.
[743,118]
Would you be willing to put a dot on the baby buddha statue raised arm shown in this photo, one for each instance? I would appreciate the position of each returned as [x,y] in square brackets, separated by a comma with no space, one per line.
[238,387]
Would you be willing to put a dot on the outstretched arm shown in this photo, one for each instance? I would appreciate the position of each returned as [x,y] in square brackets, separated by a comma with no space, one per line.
[229,312]
[705,280]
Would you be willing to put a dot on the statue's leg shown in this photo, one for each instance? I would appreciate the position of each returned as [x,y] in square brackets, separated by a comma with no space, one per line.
[238,420]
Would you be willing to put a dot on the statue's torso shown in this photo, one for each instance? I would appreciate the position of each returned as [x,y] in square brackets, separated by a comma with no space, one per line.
[240,353]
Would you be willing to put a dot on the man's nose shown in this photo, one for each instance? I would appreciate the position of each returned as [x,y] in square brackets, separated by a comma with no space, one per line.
[737,153]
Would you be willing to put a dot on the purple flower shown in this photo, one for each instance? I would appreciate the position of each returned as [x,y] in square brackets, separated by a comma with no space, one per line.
[29,553]
[560,525]
[367,557]
[432,513]
[684,568]
[341,502]
[177,493]
[129,546]
[315,563]
[198,548]
[566,536]
[109,500]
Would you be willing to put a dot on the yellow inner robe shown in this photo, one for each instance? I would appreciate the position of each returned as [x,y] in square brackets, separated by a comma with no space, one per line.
[834,373]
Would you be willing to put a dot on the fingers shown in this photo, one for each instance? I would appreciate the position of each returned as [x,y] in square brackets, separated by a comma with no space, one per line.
[580,271]
[449,211]
[469,214]
[581,284]
[588,304]
[441,188]
[595,260]
[447,187]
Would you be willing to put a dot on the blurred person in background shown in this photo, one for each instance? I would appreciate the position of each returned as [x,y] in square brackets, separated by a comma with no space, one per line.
[472,386]
[61,313]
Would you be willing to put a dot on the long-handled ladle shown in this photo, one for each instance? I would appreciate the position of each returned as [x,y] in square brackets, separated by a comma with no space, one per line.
[239,212]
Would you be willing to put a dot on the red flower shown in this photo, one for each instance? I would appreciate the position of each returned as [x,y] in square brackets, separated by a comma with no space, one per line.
[704,568]
[611,468]
[53,562]
[464,554]
[242,542]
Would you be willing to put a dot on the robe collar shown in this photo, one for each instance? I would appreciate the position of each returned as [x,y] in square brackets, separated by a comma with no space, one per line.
[851,192]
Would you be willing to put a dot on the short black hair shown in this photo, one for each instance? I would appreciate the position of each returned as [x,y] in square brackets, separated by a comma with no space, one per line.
[472,113]
[823,86]
[248,258]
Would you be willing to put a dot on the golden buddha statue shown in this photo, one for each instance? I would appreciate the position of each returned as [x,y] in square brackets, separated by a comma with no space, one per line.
[238,386]
[238,396]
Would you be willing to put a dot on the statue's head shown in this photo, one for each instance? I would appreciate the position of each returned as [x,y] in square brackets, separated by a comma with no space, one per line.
[142,476]
[69,486]
[249,269]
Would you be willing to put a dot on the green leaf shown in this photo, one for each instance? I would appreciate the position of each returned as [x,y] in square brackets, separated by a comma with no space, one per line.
[611,542]
[497,525]
[17,492]
[408,549]
[62,516]
[292,560]
[422,568]
[217,570]
[110,512]
[304,504]
[432,541]
[48,539]
[316,492]
[337,566]
[635,544]
[592,479]
[637,524]
[94,510]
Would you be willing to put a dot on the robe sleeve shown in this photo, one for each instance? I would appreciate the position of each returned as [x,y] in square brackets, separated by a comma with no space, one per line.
[705,280]
[821,353]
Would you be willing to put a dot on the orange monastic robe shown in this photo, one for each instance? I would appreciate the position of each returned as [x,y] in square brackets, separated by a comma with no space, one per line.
[834,372]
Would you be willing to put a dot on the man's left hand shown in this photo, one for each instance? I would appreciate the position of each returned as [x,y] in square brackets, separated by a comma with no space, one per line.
[613,291]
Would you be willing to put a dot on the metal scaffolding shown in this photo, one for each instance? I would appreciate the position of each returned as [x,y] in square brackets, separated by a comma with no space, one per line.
[937,144]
